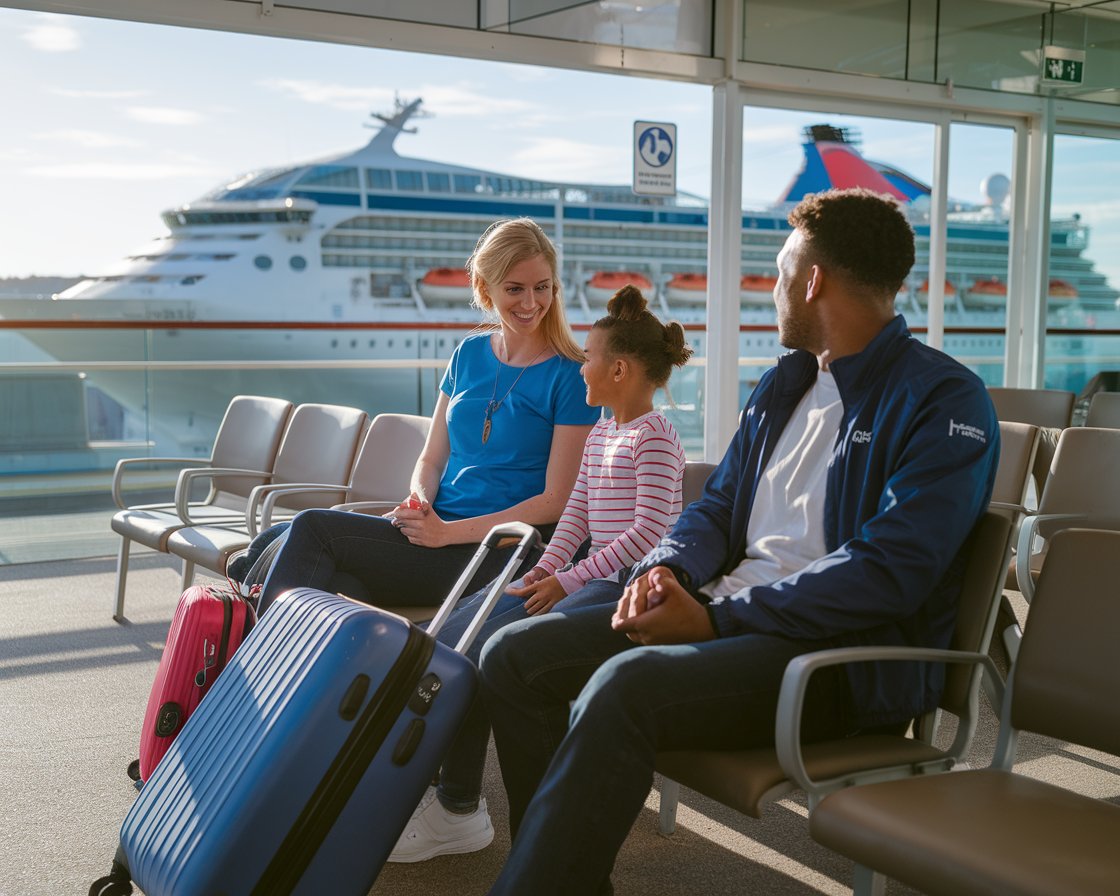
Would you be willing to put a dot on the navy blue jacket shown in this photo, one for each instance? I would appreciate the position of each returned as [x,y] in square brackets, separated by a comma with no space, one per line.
[910,475]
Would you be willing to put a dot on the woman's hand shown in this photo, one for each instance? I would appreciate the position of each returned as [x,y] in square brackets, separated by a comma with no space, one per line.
[418,523]
[541,594]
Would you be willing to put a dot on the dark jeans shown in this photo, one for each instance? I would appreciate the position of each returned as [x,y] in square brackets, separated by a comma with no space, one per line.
[460,780]
[577,778]
[366,558]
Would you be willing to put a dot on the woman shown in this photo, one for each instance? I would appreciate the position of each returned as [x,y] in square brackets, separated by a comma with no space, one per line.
[505,444]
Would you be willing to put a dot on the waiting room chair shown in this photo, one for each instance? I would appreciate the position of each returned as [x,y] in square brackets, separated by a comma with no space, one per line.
[749,780]
[993,830]
[383,471]
[1042,407]
[380,476]
[1082,490]
[1104,410]
[246,444]
[316,454]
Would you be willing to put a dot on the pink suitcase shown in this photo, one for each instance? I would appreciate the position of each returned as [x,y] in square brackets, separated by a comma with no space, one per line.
[209,625]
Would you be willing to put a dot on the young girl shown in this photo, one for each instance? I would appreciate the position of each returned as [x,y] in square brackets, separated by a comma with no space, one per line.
[626,497]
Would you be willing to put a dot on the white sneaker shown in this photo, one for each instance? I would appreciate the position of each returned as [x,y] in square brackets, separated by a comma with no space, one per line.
[433,831]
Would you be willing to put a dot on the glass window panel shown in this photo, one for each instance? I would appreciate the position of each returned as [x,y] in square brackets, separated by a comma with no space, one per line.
[682,26]
[1083,317]
[379,179]
[864,37]
[982,43]
[410,180]
[977,249]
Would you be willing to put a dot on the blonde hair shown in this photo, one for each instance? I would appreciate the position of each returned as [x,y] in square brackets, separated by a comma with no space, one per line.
[505,244]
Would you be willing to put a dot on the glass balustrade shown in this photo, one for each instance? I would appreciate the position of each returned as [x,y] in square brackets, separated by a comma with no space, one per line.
[74,400]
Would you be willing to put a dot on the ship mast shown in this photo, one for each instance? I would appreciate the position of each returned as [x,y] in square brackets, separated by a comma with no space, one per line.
[392,125]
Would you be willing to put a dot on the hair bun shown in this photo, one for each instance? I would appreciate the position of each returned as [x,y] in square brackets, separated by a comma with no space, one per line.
[628,303]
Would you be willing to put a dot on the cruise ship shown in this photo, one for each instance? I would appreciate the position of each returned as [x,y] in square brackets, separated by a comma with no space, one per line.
[372,236]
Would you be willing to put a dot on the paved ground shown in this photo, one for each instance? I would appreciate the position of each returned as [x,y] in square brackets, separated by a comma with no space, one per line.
[73,686]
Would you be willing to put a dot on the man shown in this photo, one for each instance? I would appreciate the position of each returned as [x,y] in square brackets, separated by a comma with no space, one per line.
[862,461]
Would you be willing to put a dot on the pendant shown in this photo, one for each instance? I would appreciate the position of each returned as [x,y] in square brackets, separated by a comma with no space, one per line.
[486,429]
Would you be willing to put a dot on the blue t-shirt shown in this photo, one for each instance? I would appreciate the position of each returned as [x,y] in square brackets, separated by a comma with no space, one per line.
[510,467]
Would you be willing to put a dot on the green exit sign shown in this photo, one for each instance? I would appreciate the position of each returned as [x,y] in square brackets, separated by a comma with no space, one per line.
[1061,65]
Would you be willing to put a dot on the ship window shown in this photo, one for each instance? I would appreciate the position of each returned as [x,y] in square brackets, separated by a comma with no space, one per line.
[330,176]
[468,183]
[439,182]
[263,262]
[410,180]
[297,262]
[191,280]
[379,178]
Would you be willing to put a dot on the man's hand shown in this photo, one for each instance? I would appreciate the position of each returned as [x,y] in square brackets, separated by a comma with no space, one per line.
[540,594]
[655,609]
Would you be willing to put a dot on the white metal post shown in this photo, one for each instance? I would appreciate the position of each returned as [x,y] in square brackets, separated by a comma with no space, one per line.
[938,230]
[725,235]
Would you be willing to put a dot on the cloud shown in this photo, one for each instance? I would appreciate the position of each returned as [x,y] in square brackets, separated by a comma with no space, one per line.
[163,115]
[117,171]
[53,35]
[447,101]
[72,93]
[337,96]
[87,139]
[572,160]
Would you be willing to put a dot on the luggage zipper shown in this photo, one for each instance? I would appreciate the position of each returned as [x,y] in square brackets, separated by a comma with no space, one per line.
[310,829]
[227,626]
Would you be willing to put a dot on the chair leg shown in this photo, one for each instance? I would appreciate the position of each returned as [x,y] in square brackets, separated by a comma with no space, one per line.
[122,575]
[188,575]
[866,882]
[670,796]
[1012,635]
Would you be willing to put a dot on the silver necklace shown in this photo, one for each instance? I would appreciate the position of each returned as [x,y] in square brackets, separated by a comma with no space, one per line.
[494,403]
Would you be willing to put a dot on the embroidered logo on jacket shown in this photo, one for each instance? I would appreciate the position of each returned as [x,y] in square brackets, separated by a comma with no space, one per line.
[968,431]
[861,436]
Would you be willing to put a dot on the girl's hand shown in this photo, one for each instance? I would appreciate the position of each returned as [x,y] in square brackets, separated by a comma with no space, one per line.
[540,596]
[534,575]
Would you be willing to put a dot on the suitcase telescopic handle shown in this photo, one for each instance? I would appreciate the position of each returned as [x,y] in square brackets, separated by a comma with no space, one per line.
[528,540]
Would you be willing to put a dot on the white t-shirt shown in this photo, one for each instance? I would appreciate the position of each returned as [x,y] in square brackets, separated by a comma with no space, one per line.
[786,530]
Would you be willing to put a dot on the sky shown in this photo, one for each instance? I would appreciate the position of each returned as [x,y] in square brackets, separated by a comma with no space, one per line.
[114,122]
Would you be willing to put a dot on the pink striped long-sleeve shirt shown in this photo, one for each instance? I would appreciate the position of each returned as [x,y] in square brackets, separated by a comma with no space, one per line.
[626,497]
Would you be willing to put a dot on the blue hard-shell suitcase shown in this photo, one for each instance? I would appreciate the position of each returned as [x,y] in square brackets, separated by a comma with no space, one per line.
[301,768]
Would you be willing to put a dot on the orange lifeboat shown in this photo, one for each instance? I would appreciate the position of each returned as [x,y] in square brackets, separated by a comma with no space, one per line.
[989,292]
[687,289]
[1062,292]
[445,285]
[757,289]
[604,284]
[923,291]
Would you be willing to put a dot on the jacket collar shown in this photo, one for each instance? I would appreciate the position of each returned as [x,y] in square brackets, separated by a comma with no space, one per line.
[853,373]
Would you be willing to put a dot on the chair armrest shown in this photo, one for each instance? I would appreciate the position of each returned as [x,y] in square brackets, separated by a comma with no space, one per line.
[1027,532]
[263,498]
[373,508]
[118,471]
[1008,505]
[795,682]
[187,477]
